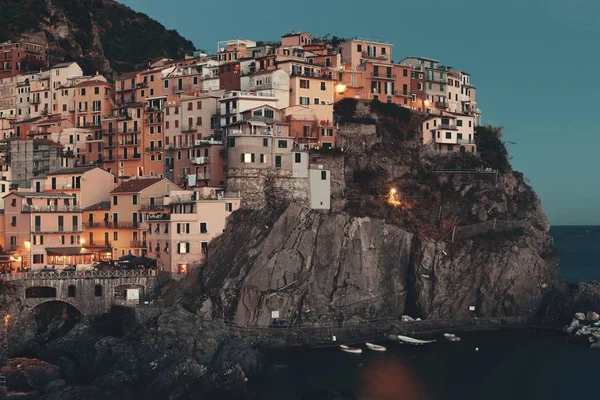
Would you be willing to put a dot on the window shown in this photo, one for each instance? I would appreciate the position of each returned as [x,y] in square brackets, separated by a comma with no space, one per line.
[265,142]
[199,105]
[277,161]
[232,142]
[304,101]
[183,248]
[39,259]
[298,158]
[166,84]
[282,144]
[83,92]
[459,122]
[115,236]
[98,290]
[204,247]
[469,124]
[96,90]
[316,100]
[323,86]
[448,135]
[323,175]
[203,228]
[115,200]
[262,158]
[405,72]
[135,199]
[190,106]
[269,114]
[13,221]
[229,207]
[304,84]
[71,291]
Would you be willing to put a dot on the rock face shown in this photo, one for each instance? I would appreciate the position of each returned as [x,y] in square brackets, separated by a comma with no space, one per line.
[312,267]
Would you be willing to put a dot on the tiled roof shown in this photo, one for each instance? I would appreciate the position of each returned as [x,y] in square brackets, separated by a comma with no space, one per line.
[103,205]
[48,142]
[136,185]
[62,65]
[92,83]
[73,171]
[35,195]
[127,75]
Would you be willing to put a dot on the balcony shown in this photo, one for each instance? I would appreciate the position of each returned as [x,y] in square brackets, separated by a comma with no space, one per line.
[437,80]
[202,175]
[148,206]
[182,88]
[441,104]
[30,208]
[189,129]
[138,244]
[141,85]
[88,124]
[309,75]
[124,89]
[111,225]
[109,132]
[365,54]
[447,126]
[133,130]
[34,100]
[98,245]
[384,76]
[200,160]
[183,199]
[128,143]
[401,93]
[59,229]
[152,121]
[109,145]
[154,149]
[82,110]
[96,109]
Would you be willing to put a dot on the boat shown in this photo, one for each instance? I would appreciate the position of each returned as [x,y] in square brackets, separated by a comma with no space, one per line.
[454,339]
[348,349]
[409,340]
[449,335]
[375,347]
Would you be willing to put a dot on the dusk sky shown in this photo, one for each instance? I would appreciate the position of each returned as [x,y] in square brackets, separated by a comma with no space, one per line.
[534,62]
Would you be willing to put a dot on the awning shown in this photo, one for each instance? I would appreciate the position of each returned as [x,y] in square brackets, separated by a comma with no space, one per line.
[68,251]
[257,123]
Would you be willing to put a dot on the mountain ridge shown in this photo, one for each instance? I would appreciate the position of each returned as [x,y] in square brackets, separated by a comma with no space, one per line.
[101,35]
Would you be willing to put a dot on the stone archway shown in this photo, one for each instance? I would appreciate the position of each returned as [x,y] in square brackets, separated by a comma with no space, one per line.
[56,317]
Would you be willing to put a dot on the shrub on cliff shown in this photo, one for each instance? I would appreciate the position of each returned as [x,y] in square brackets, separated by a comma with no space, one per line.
[492,148]
[372,181]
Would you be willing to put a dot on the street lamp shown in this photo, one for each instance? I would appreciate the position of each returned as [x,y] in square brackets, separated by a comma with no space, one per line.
[28,247]
[425,104]
[82,241]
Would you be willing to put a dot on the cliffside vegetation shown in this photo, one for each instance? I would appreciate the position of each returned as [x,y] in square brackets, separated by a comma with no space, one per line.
[101,35]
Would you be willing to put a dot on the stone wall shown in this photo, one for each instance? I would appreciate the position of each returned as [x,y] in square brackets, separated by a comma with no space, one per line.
[261,186]
[85,300]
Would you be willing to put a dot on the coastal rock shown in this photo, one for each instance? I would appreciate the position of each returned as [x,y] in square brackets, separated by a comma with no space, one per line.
[238,351]
[406,318]
[26,374]
[592,316]
[580,316]
[595,345]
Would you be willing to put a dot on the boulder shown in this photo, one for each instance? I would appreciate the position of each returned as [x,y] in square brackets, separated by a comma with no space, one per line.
[238,351]
[28,374]
[592,316]
[580,316]
[55,386]
[406,318]
[595,345]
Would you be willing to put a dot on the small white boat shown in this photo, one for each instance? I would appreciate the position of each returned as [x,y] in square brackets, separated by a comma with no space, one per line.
[454,339]
[353,350]
[375,347]
[414,341]
[449,335]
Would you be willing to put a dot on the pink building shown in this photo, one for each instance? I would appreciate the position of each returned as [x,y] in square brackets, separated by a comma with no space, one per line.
[182,226]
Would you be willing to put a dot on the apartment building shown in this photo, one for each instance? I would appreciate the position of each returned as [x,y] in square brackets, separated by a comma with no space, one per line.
[45,228]
[21,56]
[153,137]
[450,132]
[8,87]
[360,49]
[36,157]
[93,100]
[436,80]
[182,226]
[87,185]
[128,201]
[122,140]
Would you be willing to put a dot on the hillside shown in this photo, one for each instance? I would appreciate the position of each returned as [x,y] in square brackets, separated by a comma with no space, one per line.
[101,35]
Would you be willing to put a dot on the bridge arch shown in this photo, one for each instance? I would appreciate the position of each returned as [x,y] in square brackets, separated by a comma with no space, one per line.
[47,311]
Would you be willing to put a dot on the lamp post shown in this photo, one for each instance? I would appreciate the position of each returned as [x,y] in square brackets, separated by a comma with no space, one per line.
[28,247]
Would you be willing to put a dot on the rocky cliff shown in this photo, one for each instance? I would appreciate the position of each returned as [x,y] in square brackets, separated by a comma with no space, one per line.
[101,35]
[370,258]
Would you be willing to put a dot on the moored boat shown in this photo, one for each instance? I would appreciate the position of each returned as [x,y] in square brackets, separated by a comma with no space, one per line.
[409,340]
[375,347]
[348,349]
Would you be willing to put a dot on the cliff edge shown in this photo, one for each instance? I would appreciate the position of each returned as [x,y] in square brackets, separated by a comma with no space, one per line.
[407,233]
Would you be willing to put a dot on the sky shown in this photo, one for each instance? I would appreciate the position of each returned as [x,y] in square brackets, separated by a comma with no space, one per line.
[535,64]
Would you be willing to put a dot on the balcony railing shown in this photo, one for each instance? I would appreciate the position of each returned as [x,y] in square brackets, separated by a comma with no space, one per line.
[441,104]
[447,126]
[130,130]
[158,217]
[111,225]
[98,245]
[21,276]
[182,88]
[59,229]
[154,149]
[189,128]
[401,93]
[147,206]
[34,100]
[138,244]
[200,160]
[27,208]
[383,76]
[378,57]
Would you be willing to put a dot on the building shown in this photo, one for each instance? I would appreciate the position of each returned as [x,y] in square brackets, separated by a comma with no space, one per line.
[128,201]
[359,49]
[182,225]
[87,185]
[36,157]
[436,80]
[44,229]
[22,56]
[449,133]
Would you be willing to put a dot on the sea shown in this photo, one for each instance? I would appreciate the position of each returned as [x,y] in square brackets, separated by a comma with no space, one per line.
[519,364]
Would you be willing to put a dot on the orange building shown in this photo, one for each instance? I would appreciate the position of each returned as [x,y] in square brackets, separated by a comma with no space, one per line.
[93,100]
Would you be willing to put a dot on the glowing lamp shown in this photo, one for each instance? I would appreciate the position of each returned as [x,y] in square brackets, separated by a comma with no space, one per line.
[340,88]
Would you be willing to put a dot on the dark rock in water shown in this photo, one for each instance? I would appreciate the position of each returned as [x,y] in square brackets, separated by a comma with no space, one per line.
[55,386]
[328,395]
[26,374]
[238,351]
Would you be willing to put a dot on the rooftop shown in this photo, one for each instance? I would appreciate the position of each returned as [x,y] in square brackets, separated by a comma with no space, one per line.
[103,205]
[136,185]
[41,195]
[63,65]
[73,171]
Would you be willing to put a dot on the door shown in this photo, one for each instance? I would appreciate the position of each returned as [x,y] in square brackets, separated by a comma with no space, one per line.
[151,203]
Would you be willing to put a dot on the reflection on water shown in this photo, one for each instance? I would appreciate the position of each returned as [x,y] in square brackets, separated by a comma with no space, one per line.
[511,365]
[390,378]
